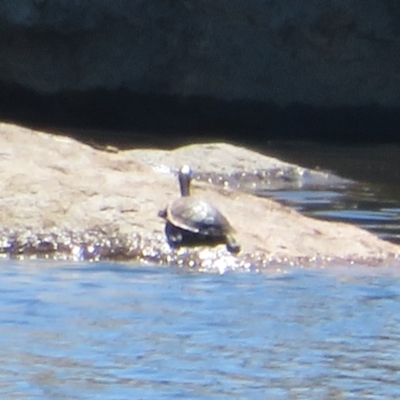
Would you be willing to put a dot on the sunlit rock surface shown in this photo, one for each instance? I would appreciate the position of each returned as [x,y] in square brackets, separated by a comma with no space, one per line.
[66,200]
[237,168]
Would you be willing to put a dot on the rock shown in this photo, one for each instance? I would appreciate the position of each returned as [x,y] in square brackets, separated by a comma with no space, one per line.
[63,199]
[313,52]
[240,169]
[206,65]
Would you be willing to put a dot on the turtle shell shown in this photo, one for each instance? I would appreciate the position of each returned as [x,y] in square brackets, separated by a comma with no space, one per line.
[197,216]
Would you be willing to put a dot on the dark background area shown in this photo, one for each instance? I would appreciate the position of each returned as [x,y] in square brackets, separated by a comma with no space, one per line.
[124,119]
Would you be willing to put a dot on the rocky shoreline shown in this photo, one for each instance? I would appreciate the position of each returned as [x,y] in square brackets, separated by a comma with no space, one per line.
[62,199]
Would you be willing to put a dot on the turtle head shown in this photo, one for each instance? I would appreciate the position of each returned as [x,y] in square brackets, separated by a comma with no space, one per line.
[185,176]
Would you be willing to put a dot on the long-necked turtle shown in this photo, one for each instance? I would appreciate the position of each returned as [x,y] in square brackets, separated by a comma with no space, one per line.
[193,221]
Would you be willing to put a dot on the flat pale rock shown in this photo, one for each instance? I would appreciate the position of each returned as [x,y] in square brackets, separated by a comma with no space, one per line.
[64,199]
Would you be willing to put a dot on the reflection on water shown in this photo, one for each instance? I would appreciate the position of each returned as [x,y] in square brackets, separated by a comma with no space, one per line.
[357,204]
[110,331]
[371,201]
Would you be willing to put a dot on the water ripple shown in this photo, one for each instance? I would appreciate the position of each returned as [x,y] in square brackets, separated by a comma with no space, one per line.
[114,331]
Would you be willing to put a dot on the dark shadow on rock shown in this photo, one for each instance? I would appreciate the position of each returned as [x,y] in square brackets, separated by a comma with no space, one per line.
[123,118]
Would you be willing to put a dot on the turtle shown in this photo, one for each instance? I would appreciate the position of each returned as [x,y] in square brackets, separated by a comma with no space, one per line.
[192,221]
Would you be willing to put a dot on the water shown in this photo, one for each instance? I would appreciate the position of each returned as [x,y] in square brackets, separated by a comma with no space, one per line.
[372,201]
[357,204]
[115,331]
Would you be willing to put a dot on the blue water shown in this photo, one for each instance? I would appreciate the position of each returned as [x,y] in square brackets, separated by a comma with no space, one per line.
[119,331]
[358,205]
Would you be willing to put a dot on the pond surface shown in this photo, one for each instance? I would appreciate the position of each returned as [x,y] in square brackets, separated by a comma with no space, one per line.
[371,200]
[114,331]
[358,204]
